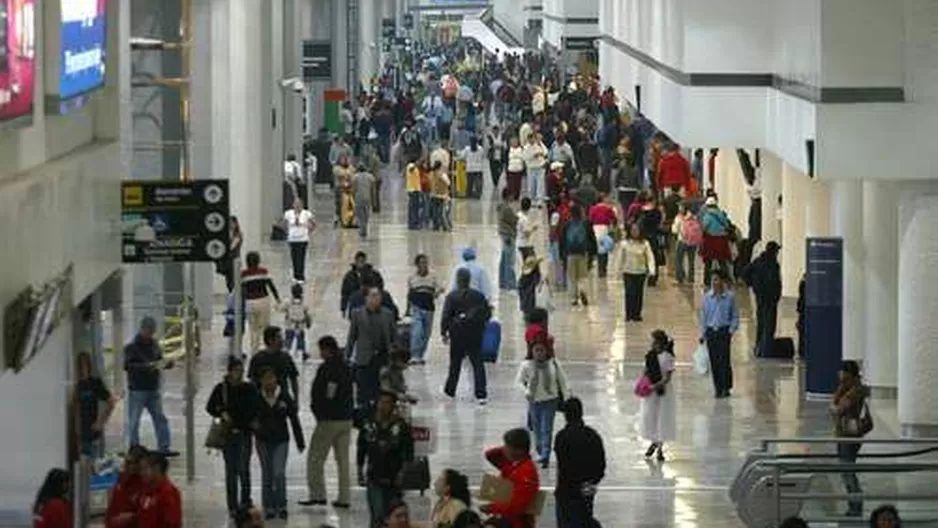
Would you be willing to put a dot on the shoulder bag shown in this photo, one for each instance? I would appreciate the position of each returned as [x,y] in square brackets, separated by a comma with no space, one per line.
[217,435]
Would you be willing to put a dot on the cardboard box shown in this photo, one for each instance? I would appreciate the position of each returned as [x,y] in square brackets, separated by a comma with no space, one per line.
[497,489]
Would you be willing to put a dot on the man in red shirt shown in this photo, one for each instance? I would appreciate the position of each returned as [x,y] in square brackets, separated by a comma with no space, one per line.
[160,503]
[513,461]
[125,498]
[673,169]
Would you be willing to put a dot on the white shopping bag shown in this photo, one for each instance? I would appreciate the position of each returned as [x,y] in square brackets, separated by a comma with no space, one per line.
[702,360]
[544,296]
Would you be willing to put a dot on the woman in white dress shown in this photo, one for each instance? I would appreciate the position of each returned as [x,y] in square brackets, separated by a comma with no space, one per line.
[659,409]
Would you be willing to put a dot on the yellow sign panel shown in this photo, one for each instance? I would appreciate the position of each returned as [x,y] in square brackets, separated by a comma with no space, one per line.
[133,195]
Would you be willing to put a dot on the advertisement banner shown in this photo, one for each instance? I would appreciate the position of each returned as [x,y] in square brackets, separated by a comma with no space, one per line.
[83,47]
[17,58]
[823,315]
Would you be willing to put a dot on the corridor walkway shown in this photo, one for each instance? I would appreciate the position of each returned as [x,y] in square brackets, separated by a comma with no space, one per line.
[601,353]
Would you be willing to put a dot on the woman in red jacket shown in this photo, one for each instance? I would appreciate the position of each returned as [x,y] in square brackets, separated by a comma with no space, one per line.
[52,509]
[513,461]
[125,497]
[160,503]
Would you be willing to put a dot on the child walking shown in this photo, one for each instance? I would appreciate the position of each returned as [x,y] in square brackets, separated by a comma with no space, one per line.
[298,321]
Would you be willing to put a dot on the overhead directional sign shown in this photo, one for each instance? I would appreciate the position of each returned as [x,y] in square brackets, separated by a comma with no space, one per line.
[388,28]
[317,60]
[172,221]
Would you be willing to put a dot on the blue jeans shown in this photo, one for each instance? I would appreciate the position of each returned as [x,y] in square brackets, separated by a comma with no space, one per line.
[506,265]
[299,335]
[152,401]
[542,422]
[421,325]
[536,184]
[413,209]
[237,454]
[273,459]
[379,497]
[681,253]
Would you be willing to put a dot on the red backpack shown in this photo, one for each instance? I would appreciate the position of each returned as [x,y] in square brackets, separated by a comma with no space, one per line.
[691,231]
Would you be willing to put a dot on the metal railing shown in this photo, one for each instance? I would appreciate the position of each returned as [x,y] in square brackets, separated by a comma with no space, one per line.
[772,486]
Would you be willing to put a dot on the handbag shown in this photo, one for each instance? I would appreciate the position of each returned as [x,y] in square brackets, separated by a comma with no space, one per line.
[543,297]
[415,475]
[858,426]
[217,435]
[644,387]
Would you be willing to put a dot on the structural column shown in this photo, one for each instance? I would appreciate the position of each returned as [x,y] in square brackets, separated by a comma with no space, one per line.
[818,209]
[293,102]
[339,34]
[880,267]
[369,44]
[247,127]
[917,309]
[770,174]
[388,10]
[847,223]
[794,194]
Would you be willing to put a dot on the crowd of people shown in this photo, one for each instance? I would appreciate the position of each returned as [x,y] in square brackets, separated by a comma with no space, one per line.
[611,193]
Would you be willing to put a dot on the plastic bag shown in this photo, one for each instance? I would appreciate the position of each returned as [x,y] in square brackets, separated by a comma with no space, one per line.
[544,297]
[702,360]
[644,387]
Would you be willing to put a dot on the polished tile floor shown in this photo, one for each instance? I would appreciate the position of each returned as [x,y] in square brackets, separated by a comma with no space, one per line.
[601,353]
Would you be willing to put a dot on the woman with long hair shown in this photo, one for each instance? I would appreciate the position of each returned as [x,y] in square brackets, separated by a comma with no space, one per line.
[52,508]
[658,409]
[636,263]
[850,413]
[545,387]
[452,488]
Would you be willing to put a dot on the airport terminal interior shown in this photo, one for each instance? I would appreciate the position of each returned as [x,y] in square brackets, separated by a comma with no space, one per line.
[709,216]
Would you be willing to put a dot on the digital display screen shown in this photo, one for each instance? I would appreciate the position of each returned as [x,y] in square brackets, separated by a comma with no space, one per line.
[83,47]
[17,58]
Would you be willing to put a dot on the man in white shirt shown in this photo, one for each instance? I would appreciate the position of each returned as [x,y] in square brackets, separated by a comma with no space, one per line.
[294,181]
[299,224]
[535,160]
[526,228]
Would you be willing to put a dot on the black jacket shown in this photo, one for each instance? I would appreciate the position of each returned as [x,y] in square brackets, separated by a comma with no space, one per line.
[139,361]
[242,403]
[283,366]
[581,459]
[352,282]
[465,313]
[331,394]
[385,450]
[357,300]
[764,275]
[272,420]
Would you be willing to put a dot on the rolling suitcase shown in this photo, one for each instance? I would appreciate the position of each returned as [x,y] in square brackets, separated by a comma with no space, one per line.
[491,341]
[782,348]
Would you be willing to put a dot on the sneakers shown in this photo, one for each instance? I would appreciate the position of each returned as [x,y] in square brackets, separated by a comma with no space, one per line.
[483,402]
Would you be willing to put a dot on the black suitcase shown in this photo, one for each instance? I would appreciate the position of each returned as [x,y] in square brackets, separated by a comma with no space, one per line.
[782,348]
[415,475]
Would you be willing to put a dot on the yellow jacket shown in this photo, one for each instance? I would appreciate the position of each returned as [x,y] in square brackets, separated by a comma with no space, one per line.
[412,178]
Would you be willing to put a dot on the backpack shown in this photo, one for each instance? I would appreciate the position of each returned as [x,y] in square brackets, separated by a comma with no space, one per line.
[576,238]
[691,231]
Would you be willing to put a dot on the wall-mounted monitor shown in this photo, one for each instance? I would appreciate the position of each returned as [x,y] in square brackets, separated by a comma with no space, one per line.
[17,61]
[79,67]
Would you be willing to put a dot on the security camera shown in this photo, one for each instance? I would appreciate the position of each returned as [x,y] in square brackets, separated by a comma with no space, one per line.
[294,84]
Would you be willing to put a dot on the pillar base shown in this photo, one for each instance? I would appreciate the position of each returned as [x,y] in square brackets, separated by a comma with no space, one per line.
[884,393]
[918,431]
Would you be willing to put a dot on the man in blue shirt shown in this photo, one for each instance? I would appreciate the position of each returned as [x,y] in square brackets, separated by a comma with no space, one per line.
[480,278]
[719,320]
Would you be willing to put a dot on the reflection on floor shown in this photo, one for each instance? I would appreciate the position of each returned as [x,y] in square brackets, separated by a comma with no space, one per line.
[601,353]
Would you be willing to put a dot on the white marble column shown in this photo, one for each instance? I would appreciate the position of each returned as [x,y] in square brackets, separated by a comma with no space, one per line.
[880,277]
[771,178]
[847,223]
[918,305]
[247,126]
[339,31]
[794,194]
[369,44]
[818,209]
[292,55]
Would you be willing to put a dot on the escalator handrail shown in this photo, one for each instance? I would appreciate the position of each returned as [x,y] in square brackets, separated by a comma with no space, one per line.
[901,454]
[792,468]
[766,442]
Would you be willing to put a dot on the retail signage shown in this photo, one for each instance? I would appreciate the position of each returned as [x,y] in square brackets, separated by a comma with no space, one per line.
[579,43]
[317,60]
[823,315]
[82,47]
[171,221]
[17,58]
